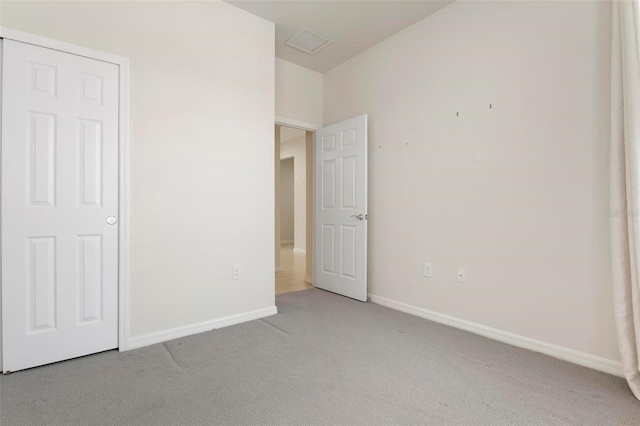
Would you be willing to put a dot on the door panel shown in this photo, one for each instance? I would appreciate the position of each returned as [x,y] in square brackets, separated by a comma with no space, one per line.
[41,300]
[90,285]
[59,184]
[41,171]
[349,181]
[328,184]
[90,163]
[341,208]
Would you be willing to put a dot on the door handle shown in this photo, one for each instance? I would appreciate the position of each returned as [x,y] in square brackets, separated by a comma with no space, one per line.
[358,216]
[111,220]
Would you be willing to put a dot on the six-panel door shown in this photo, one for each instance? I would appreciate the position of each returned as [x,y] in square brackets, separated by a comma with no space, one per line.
[341,208]
[59,186]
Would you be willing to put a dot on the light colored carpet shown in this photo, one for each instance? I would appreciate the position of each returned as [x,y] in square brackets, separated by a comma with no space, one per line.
[324,359]
[206,347]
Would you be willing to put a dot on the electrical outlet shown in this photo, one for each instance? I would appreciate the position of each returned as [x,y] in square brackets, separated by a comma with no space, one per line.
[428,270]
[236,272]
[462,275]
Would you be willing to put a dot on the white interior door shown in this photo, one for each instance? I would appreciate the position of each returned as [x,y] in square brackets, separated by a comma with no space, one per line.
[341,208]
[59,205]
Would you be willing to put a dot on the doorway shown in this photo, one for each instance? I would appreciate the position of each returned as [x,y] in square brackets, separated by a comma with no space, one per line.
[293,201]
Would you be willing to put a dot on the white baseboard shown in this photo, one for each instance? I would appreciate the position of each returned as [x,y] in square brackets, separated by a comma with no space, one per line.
[283,242]
[299,250]
[308,280]
[278,268]
[581,358]
[187,330]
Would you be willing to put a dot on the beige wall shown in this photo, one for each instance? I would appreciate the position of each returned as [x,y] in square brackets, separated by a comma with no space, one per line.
[516,194]
[202,111]
[298,93]
[276,192]
[286,200]
[296,149]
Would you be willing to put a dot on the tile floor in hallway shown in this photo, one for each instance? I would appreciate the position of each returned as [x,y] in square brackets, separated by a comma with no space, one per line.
[291,278]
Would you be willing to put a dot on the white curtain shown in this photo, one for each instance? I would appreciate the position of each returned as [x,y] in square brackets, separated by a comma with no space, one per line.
[625,184]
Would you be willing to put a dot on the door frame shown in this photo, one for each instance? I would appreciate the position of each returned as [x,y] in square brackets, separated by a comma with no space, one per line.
[123,161]
[307,127]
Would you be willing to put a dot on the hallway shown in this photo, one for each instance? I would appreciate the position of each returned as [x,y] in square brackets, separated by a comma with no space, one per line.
[291,278]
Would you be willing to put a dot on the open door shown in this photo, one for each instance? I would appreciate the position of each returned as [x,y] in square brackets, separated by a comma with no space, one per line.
[341,208]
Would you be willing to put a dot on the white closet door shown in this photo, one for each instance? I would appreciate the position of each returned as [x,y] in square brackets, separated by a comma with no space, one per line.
[59,206]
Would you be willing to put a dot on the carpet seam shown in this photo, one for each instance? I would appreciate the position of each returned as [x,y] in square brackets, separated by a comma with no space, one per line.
[175,361]
[274,327]
[187,367]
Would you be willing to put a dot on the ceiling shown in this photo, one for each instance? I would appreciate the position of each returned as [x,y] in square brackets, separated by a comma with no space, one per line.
[353,25]
[288,134]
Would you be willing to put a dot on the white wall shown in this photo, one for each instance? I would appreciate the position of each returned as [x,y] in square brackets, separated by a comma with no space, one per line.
[517,194]
[298,94]
[202,108]
[296,149]
[287,199]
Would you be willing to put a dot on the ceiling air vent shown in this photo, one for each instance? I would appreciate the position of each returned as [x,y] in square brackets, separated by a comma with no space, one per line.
[308,41]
